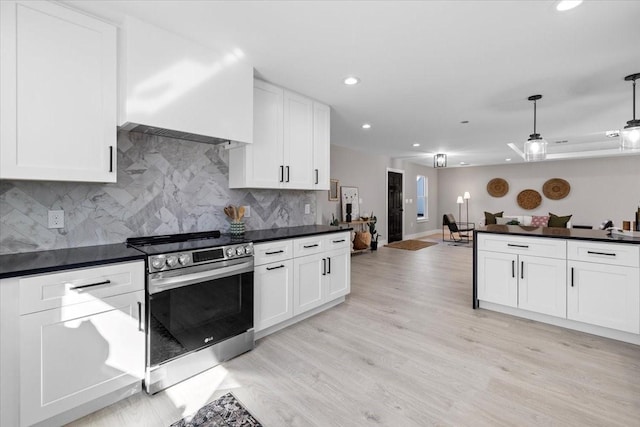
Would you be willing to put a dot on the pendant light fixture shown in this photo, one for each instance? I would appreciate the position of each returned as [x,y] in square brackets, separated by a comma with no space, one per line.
[440,160]
[535,148]
[630,135]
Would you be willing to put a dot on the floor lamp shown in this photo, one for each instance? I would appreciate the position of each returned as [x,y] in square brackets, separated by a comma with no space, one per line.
[466,197]
[460,201]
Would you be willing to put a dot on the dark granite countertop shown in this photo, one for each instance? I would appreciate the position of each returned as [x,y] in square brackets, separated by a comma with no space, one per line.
[261,236]
[561,233]
[22,264]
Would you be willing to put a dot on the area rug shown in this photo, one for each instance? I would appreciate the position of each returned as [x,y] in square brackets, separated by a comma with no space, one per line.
[411,245]
[223,412]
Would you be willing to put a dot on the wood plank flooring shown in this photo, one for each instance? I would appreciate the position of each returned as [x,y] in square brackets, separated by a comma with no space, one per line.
[407,349]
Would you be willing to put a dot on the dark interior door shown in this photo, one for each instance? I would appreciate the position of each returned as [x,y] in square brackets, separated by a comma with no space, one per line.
[394,214]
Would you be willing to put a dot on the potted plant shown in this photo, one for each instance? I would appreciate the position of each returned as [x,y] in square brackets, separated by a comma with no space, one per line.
[372,230]
[334,221]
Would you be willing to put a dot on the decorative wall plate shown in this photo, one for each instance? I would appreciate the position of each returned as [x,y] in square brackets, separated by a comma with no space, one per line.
[497,187]
[529,199]
[556,189]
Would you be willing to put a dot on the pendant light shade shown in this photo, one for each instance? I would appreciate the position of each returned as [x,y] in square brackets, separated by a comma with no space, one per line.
[440,160]
[535,148]
[630,135]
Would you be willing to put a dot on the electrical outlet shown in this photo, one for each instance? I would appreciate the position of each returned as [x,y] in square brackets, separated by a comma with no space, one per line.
[56,219]
[247,211]
[307,208]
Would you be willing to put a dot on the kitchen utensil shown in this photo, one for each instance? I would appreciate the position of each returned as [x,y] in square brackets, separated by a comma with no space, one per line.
[240,212]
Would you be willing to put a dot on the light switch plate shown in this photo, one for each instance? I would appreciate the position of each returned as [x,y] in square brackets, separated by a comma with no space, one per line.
[56,219]
[247,211]
[307,208]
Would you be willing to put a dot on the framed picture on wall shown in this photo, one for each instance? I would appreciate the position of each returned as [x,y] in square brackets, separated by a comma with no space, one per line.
[350,203]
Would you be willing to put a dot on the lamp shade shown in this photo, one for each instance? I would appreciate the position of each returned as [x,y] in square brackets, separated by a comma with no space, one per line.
[467,196]
[535,149]
[630,135]
[460,200]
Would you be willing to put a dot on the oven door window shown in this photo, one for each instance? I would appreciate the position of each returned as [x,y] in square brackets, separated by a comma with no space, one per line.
[188,318]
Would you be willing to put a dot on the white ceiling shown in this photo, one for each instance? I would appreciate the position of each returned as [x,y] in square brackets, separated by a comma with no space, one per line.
[427,65]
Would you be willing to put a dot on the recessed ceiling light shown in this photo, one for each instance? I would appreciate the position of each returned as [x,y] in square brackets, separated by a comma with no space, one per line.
[464,122]
[416,145]
[564,5]
[366,126]
[507,160]
[562,141]
[463,163]
[351,80]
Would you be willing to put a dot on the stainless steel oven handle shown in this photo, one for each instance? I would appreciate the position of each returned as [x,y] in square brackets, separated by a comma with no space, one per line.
[167,283]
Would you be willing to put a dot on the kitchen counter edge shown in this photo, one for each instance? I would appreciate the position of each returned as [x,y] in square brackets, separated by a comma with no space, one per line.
[558,233]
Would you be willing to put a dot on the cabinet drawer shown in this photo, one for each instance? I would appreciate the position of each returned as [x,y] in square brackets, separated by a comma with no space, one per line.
[338,241]
[604,253]
[76,286]
[309,245]
[536,246]
[279,250]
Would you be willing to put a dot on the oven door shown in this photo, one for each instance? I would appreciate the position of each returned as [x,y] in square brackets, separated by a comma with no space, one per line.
[198,306]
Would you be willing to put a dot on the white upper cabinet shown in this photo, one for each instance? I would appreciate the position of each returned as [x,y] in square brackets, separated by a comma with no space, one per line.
[291,143]
[170,82]
[58,82]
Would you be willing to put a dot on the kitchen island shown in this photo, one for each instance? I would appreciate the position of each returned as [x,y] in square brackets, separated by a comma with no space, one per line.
[580,279]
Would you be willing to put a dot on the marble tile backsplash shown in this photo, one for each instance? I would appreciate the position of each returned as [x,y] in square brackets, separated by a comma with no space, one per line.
[164,186]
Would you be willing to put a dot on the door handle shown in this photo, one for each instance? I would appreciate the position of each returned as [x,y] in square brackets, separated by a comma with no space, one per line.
[513,268]
[139,316]
[522,269]
[324,266]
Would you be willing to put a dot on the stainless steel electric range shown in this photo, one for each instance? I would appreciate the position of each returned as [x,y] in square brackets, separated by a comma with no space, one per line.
[199,303]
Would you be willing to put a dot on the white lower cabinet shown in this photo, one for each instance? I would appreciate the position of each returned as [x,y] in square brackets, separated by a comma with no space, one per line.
[531,283]
[298,275]
[76,339]
[273,295]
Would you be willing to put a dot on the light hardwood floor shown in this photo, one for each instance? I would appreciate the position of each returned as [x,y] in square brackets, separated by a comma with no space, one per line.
[407,349]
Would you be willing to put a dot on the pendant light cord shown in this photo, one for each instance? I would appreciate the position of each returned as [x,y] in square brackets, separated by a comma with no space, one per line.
[534,115]
[634,100]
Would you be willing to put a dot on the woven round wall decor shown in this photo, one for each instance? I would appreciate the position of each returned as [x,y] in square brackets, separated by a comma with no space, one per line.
[497,187]
[556,189]
[529,199]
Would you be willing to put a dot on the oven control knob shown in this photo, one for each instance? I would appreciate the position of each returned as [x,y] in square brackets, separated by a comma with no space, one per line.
[184,259]
[172,261]
[240,250]
[157,262]
[248,249]
[230,252]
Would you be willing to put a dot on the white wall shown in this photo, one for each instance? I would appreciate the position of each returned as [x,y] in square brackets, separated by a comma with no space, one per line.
[607,188]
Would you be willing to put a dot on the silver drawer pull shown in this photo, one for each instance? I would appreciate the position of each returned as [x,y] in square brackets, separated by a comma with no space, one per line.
[311,246]
[600,253]
[106,282]
[518,246]
[275,268]
[338,241]
[274,252]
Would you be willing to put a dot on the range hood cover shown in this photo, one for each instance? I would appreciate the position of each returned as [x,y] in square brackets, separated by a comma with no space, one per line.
[169,133]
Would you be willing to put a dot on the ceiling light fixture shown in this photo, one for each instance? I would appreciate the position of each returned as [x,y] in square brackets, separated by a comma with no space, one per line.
[507,160]
[440,160]
[535,148]
[612,133]
[565,5]
[416,145]
[351,80]
[463,163]
[366,126]
[630,135]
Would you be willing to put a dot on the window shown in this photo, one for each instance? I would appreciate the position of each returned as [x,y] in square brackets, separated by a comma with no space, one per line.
[422,197]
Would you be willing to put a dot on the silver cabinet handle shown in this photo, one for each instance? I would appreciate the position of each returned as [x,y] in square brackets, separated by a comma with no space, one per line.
[139,316]
[287,174]
[572,277]
[275,268]
[274,252]
[338,241]
[281,173]
[517,246]
[105,282]
[522,269]
[329,269]
[310,246]
[513,268]
[324,266]
[316,176]
[111,158]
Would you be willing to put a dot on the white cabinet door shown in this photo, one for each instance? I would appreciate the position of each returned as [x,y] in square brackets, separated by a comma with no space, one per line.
[273,294]
[542,285]
[338,277]
[497,278]
[298,141]
[321,145]
[58,105]
[74,354]
[604,295]
[309,272]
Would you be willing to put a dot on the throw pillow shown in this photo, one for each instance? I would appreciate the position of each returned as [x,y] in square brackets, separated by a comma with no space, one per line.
[507,221]
[539,221]
[490,218]
[559,221]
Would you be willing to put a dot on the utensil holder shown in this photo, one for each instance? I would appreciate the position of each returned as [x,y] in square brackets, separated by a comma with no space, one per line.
[237,228]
